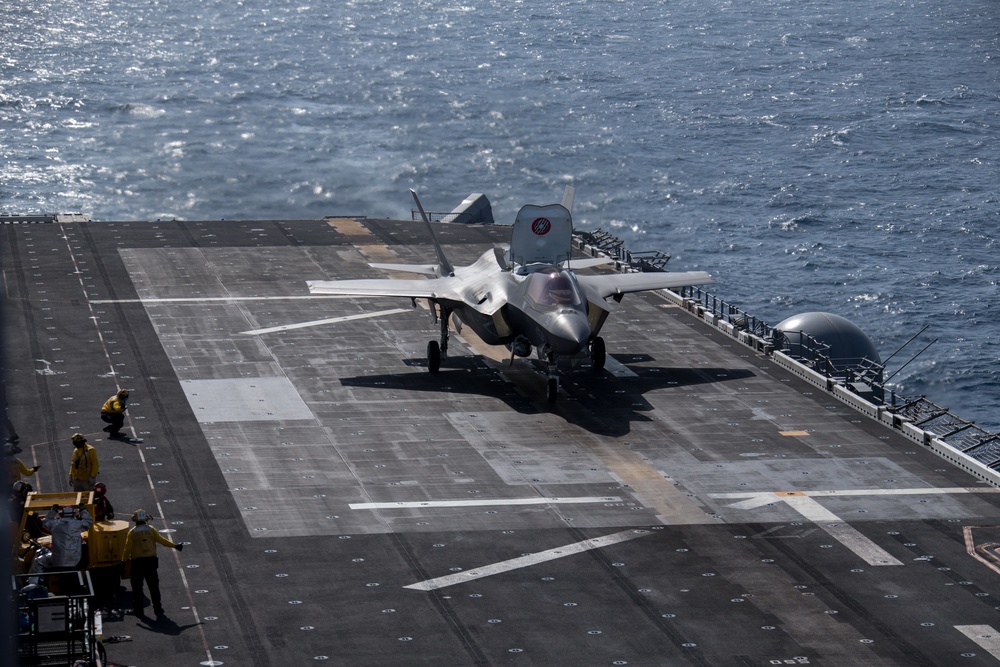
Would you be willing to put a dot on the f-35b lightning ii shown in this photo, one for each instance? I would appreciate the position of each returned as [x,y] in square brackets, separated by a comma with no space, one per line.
[526,295]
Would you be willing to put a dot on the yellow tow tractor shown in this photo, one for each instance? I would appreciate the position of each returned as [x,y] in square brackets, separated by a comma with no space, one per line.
[59,609]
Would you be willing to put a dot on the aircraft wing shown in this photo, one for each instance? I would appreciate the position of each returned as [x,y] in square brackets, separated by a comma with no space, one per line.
[435,288]
[613,284]
[587,262]
[427,269]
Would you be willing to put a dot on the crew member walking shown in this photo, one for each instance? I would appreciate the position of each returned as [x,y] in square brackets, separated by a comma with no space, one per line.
[83,467]
[140,549]
[113,412]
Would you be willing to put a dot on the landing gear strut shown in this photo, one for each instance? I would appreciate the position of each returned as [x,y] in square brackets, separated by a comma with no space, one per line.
[553,384]
[598,353]
[438,351]
[433,357]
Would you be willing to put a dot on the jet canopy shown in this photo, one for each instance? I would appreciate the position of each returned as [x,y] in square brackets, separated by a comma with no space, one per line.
[553,287]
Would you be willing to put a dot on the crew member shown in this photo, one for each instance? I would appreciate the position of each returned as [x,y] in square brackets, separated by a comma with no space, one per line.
[83,466]
[103,511]
[10,431]
[15,468]
[66,524]
[113,412]
[140,549]
[32,522]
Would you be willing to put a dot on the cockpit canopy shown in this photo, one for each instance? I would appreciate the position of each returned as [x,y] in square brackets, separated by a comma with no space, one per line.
[552,287]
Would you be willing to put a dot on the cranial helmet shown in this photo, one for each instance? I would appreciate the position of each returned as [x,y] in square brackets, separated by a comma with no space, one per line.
[140,516]
[100,489]
[78,439]
[122,393]
[67,511]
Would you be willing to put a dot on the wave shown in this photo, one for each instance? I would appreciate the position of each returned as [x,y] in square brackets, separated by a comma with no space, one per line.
[139,110]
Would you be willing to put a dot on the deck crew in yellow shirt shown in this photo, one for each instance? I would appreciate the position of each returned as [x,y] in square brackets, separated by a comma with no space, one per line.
[113,412]
[83,466]
[140,548]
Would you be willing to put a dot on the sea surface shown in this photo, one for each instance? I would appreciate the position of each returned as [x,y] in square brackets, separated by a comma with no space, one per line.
[813,155]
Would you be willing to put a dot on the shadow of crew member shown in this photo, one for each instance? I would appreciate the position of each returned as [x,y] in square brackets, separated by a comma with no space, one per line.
[140,555]
[113,412]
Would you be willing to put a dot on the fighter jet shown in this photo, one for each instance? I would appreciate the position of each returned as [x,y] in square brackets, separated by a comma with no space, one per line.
[525,295]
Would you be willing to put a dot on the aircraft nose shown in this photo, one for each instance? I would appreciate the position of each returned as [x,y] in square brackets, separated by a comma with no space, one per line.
[570,333]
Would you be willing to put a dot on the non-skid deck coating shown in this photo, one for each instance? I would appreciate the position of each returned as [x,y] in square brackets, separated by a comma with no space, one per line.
[692,504]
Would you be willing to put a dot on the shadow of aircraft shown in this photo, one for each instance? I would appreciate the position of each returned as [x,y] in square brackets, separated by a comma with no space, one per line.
[597,402]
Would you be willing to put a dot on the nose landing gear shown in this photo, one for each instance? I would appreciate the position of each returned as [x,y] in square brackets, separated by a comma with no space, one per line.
[598,353]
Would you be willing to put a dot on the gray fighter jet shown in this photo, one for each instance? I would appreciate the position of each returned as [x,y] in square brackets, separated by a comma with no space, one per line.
[525,295]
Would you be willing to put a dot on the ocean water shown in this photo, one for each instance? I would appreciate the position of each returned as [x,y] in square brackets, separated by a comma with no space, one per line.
[812,155]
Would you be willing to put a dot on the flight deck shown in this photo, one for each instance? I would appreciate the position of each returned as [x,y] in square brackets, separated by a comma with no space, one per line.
[692,503]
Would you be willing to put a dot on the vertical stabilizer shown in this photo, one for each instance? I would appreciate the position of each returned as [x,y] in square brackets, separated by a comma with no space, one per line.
[569,194]
[446,268]
[542,234]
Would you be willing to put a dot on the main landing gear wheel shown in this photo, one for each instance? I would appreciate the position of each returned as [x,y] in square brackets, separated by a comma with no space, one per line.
[553,391]
[433,357]
[598,353]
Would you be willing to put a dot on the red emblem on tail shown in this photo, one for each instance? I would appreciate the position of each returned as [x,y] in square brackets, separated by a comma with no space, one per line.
[541,226]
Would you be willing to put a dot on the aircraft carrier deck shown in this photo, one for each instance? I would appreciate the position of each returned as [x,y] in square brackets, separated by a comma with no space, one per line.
[694,503]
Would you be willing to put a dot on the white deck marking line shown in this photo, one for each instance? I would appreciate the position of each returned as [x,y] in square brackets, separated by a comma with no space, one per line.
[984,636]
[837,528]
[209,299]
[330,320]
[527,561]
[841,531]
[618,369]
[903,492]
[920,491]
[484,502]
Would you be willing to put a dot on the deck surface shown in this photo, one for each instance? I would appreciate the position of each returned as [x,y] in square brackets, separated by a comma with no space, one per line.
[691,504]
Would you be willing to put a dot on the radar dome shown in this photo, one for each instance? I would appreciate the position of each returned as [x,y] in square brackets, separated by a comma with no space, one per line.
[849,345]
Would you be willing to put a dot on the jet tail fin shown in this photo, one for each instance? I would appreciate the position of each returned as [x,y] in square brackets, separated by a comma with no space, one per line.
[541,234]
[569,194]
[446,267]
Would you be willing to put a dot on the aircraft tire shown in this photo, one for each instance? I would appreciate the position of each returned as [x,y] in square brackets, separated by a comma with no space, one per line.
[598,353]
[553,391]
[433,357]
